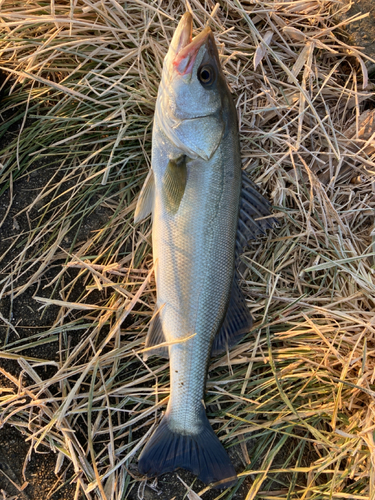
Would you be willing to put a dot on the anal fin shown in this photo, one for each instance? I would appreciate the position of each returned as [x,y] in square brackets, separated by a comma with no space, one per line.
[155,336]
[236,324]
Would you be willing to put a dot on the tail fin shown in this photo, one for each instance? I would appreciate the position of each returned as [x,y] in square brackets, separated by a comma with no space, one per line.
[202,454]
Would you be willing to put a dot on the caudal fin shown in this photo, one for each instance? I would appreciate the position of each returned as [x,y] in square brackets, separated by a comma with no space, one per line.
[202,454]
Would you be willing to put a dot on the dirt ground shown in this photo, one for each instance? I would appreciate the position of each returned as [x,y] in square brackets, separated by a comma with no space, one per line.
[33,477]
[27,477]
[362,32]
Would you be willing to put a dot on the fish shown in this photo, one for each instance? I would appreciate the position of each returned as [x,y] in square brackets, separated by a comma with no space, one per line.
[204,211]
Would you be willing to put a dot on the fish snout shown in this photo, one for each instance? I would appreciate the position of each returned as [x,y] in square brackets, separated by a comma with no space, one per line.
[183,33]
[185,58]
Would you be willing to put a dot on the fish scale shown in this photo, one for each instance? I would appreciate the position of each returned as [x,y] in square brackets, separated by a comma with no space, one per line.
[194,284]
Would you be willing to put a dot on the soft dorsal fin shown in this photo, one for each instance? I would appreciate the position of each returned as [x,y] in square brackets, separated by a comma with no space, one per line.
[174,183]
[236,324]
[253,206]
[155,336]
[146,198]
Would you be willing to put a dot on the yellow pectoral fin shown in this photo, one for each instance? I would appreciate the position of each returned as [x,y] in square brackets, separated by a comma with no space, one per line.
[174,183]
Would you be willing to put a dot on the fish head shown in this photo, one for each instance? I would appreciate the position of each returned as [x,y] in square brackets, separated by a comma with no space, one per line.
[193,96]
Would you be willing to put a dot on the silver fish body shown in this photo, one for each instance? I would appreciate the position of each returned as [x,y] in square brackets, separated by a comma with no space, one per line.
[194,193]
[194,262]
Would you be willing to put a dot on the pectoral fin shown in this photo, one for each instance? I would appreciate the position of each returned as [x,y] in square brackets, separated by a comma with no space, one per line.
[174,183]
[146,198]
[155,336]
[236,324]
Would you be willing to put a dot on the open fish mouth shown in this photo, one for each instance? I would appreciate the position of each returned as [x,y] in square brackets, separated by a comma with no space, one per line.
[187,47]
[184,32]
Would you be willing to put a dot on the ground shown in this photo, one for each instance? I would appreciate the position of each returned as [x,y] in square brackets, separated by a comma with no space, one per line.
[362,32]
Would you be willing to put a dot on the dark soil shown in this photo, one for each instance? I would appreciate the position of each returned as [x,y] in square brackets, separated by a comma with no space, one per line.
[28,477]
[39,479]
[362,32]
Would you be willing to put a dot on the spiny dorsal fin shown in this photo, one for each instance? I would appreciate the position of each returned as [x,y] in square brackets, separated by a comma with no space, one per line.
[253,206]
[174,183]
[236,324]
[146,198]
[155,336]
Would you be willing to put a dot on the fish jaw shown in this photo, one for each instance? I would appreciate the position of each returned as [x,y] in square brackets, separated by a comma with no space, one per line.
[184,49]
[186,57]
[183,34]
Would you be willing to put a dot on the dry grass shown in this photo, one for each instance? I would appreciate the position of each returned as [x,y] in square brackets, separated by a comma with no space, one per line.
[303,380]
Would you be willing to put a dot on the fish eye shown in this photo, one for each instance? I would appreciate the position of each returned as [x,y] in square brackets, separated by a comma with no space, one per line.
[206,75]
